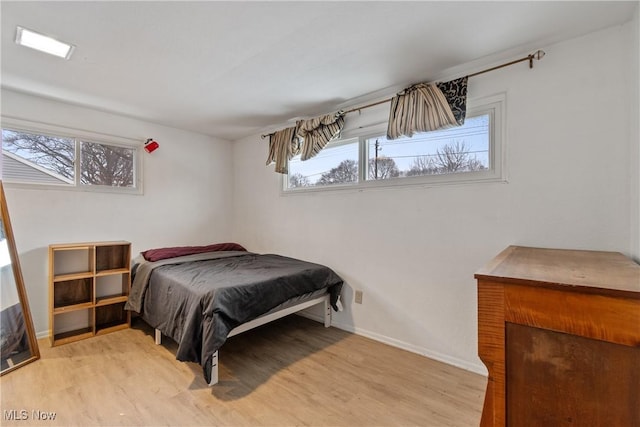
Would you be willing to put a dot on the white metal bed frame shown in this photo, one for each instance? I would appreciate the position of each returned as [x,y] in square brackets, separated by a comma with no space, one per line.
[269,317]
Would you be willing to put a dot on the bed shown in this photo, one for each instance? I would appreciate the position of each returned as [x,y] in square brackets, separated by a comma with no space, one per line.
[200,296]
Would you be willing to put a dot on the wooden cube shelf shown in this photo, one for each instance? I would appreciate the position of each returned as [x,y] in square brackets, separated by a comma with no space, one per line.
[89,284]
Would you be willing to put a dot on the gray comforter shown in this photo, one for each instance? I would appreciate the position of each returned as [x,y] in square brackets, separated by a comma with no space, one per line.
[198,299]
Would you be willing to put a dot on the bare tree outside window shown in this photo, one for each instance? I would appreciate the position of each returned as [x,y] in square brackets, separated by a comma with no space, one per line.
[383,167]
[423,165]
[106,165]
[345,172]
[100,164]
[451,158]
[55,154]
[298,180]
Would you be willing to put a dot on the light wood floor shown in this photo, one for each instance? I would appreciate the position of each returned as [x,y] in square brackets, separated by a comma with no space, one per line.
[290,372]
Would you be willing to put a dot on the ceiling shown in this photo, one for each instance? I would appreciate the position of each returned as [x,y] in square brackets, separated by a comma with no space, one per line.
[232,69]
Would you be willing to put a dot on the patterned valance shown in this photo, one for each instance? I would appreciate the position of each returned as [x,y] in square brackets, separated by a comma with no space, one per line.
[456,93]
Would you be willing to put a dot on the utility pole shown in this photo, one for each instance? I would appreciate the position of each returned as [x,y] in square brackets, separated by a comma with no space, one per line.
[375,166]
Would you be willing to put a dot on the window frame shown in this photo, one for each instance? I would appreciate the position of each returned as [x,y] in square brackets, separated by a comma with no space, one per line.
[79,136]
[345,140]
[493,105]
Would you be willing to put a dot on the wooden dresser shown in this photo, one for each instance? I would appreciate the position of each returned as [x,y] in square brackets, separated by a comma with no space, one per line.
[559,332]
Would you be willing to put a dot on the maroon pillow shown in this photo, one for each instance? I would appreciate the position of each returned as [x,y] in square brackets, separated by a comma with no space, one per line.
[163,253]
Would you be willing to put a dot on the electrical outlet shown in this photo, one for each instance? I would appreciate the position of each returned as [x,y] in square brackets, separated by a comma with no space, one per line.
[358,297]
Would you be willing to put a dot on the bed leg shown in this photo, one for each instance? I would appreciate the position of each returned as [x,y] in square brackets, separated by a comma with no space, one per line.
[158,337]
[214,369]
[327,313]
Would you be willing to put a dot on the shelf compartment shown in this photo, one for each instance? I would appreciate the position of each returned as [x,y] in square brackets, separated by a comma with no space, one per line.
[73,326]
[111,316]
[72,261]
[112,257]
[70,293]
[113,284]
[71,336]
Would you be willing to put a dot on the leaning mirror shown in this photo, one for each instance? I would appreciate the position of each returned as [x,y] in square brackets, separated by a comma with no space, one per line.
[17,335]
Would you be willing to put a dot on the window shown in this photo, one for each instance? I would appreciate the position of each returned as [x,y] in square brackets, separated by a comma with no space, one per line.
[55,156]
[468,153]
[103,164]
[456,150]
[336,164]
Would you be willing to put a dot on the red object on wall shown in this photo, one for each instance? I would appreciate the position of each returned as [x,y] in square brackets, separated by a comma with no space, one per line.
[151,145]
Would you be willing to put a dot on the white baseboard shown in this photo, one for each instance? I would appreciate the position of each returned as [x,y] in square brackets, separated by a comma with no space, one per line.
[459,363]
[454,361]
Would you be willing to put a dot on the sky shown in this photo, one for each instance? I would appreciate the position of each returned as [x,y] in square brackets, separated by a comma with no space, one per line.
[474,133]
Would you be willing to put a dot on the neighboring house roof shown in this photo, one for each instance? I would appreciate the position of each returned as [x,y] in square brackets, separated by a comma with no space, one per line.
[17,169]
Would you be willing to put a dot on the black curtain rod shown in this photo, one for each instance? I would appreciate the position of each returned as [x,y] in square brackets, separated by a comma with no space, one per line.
[538,55]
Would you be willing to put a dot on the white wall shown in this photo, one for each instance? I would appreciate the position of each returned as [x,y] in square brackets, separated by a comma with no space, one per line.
[414,251]
[187,195]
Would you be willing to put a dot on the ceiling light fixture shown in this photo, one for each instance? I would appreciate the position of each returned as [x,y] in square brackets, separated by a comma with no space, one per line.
[34,40]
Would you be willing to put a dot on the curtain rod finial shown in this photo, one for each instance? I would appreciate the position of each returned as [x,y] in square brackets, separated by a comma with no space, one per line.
[538,54]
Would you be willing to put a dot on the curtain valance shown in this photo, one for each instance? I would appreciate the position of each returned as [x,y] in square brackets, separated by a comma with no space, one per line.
[283,146]
[422,107]
[456,93]
[307,137]
[425,107]
[316,133]
[407,115]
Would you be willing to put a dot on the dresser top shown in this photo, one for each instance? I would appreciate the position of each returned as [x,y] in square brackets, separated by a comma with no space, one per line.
[608,273]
